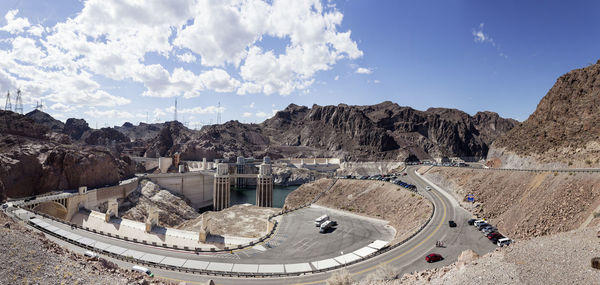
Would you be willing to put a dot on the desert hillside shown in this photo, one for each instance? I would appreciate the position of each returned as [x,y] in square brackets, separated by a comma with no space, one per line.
[557,259]
[405,210]
[28,257]
[525,204]
[564,130]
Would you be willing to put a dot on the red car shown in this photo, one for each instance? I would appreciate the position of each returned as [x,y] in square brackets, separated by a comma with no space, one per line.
[494,235]
[433,257]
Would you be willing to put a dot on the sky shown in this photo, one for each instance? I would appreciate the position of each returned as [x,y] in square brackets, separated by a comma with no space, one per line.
[116,61]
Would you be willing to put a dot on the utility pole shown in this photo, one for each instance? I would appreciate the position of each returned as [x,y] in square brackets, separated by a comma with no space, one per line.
[8,105]
[19,103]
[176,109]
[219,114]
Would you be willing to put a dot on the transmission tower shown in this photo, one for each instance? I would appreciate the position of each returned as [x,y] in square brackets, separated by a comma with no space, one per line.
[19,103]
[176,109]
[219,114]
[8,105]
[39,105]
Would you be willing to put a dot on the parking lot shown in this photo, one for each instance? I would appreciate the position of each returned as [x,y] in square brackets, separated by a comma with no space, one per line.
[298,239]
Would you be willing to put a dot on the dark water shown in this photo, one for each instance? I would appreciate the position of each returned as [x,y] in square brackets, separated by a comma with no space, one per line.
[242,196]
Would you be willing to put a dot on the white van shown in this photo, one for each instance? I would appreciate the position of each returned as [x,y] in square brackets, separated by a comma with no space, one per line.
[504,241]
[142,270]
[320,220]
[91,254]
[479,222]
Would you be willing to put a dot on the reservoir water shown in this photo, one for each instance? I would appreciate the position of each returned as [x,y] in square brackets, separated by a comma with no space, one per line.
[248,195]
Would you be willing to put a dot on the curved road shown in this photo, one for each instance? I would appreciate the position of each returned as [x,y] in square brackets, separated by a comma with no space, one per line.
[406,258]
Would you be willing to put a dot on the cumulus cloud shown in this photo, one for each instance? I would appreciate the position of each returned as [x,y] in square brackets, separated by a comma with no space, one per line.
[109,114]
[202,110]
[111,39]
[14,24]
[187,57]
[247,114]
[363,70]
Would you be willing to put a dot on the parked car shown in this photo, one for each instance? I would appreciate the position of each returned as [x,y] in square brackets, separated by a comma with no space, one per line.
[452,224]
[495,235]
[91,254]
[504,241]
[326,226]
[478,222]
[428,188]
[404,174]
[433,257]
[142,270]
[489,230]
[471,222]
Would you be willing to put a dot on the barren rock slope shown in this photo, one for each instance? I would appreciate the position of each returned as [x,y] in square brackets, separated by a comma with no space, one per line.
[564,129]
[525,204]
[557,259]
[27,257]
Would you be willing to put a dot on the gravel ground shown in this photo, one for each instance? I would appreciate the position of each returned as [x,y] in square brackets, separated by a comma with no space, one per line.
[27,257]
[563,258]
[239,220]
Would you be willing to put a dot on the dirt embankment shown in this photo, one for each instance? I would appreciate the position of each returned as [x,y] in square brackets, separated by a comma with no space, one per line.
[405,210]
[525,204]
[240,220]
[557,259]
[27,257]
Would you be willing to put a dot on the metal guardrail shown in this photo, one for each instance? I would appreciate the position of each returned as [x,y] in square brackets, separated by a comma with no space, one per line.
[585,170]
[238,274]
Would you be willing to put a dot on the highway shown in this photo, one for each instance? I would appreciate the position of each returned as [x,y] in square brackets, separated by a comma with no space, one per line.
[404,259]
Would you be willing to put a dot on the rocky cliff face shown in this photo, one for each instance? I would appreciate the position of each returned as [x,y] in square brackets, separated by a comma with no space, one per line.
[382,131]
[32,162]
[387,130]
[563,131]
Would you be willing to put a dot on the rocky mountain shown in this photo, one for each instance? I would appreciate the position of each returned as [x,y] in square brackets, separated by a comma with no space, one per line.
[45,119]
[386,131]
[382,131]
[34,160]
[564,130]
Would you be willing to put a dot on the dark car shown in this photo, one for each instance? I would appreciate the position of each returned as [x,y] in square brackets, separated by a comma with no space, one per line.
[404,173]
[495,236]
[452,224]
[433,257]
[471,222]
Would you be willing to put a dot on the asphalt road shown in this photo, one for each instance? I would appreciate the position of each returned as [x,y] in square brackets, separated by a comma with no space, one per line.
[407,258]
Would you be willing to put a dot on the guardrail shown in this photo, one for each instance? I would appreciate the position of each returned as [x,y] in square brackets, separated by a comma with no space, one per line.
[584,170]
[233,274]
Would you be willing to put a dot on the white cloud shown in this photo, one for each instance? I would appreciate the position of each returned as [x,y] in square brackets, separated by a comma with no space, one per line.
[65,63]
[247,114]
[376,81]
[187,57]
[263,114]
[14,25]
[336,78]
[480,37]
[201,110]
[109,114]
[62,107]
[252,105]
[363,70]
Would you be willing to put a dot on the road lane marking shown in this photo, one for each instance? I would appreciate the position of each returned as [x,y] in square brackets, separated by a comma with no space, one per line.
[399,256]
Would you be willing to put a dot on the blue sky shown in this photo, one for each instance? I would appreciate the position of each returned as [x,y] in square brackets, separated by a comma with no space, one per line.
[111,62]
